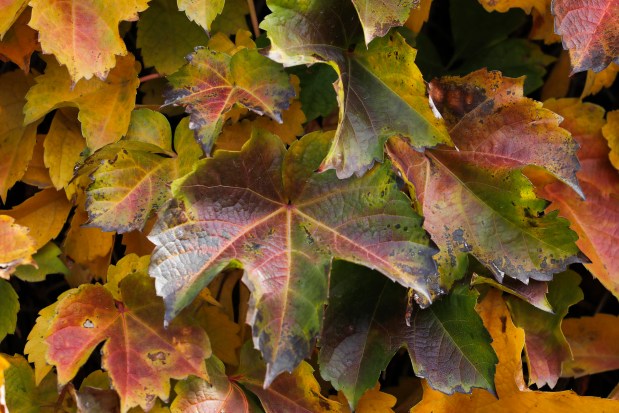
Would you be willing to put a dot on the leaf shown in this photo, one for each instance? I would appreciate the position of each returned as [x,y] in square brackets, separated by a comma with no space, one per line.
[597,81]
[476,199]
[296,392]
[223,333]
[377,19]
[212,82]
[19,42]
[203,12]
[37,174]
[9,12]
[8,309]
[356,345]
[593,341]
[611,133]
[418,16]
[84,35]
[63,145]
[545,345]
[47,262]
[265,208]
[23,394]
[513,396]
[17,137]
[139,354]
[317,95]
[104,106]
[44,214]
[232,17]
[217,395]
[374,401]
[505,5]
[533,293]
[593,219]
[136,242]
[86,245]
[589,30]
[380,91]
[165,36]
[16,246]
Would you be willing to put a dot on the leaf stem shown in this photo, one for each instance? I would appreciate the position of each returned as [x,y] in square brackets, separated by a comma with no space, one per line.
[254,17]
[152,76]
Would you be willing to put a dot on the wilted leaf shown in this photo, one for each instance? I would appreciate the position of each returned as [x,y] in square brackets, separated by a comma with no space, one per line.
[17,138]
[16,246]
[9,12]
[267,209]
[589,29]
[595,218]
[356,345]
[611,133]
[104,106]
[19,42]
[593,341]
[513,396]
[47,261]
[212,82]
[8,309]
[166,36]
[545,344]
[139,354]
[380,90]
[377,19]
[83,35]
[476,199]
[203,12]
[23,394]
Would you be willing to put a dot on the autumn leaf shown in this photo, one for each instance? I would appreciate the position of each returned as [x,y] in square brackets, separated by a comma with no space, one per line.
[357,345]
[513,396]
[203,12]
[84,35]
[418,16]
[23,394]
[37,174]
[104,106]
[475,199]
[47,262]
[594,218]
[504,5]
[589,30]
[284,222]
[133,330]
[597,81]
[380,90]
[8,309]
[611,133]
[16,246]
[372,401]
[533,293]
[9,12]
[376,20]
[19,42]
[593,341]
[212,82]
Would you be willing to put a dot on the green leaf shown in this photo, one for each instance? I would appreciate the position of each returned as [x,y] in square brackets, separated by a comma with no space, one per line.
[265,208]
[317,94]
[47,261]
[545,344]
[232,17]
[166,36]
[22,394]
[380,91]
[9,307]
[365,325]
[377,19]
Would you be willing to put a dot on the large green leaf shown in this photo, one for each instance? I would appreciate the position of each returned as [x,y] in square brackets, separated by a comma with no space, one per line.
[380,90]
[265,207]
[365,325]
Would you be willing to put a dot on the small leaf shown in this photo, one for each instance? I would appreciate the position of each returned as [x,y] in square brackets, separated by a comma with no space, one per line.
[418,16]
[317,95]
[9,308]
[9,12]
[597,81]
[203,12]
[377,19]
[533,293]
[19,42]
[47,262]
[63,146]
[22,393]
[16,246]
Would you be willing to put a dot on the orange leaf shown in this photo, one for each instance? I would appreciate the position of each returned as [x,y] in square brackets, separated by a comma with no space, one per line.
[19,43]
[16,246]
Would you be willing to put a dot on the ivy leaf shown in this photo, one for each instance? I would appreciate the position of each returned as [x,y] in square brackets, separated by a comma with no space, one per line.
[476,199]
[593,342]
[380,91]
[203,12]
[267,209]
[16,246]
[104,106]
[212,82]
[589,30]
[19,42]
[376,19]
[84,35]
[545,344]
[139,354]
[593,219]
[357,345]
[9,12]
[8,309]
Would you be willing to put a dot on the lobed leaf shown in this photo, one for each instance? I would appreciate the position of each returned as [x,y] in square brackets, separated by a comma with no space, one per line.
[23,394]
[377,19]
[16,246]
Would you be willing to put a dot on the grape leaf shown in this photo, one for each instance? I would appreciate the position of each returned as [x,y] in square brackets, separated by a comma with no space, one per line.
[513,396]
[17,138]
[63,145]
[165,36]
[232,17]
[372,401]
[19,42]
[317,95]
[594,219]
[23,394]
[545,345]
[505,5]
[475,199]
[139,354]
[267,209]
[37,174]
[589,30]
[203,12]
[8,309]
[212,82]
[356,345]
[9,12]
[377,19]
[380,91]
[593,341]
[84,35]
[16,246]
[104,106]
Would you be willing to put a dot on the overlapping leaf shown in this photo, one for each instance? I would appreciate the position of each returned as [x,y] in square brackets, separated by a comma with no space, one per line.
[19,43]
[203,12]
[9,12]
[365,325]
[8,309]
[47,262]
[16,246]
[377,19]
[611,133]
[589,30]
[267,209]
[380,90]
[23,394]
[595,218]
[83,35]
[475,199]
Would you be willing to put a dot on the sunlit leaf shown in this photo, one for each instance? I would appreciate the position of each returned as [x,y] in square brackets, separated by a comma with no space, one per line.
[9,12]
[418,16]
[232,17]
[597,81]
[16,246]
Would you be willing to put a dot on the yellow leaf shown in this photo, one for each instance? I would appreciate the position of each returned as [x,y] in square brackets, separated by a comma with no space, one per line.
[611,133]
[222,332]
[9,11]
[130,264]
[19,43]
[203,12]
[504,5]
[558,82]
[544,26]
[597,81]
[136,242]
[513,395]
[37,174]
[419,16]
[16,246]
[44,214]
[372,401]
[222,43]
[63,145]
[3,366]
[104,106]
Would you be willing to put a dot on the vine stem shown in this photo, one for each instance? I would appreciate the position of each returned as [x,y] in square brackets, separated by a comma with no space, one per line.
[150,77]
[254,17]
